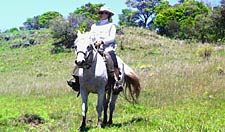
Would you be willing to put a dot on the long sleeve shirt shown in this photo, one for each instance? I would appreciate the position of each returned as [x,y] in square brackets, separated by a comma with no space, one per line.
[106,32]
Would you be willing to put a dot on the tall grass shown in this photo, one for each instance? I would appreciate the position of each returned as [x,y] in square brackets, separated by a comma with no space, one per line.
[180,90]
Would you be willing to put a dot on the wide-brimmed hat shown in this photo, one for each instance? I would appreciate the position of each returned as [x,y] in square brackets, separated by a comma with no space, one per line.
[103,8]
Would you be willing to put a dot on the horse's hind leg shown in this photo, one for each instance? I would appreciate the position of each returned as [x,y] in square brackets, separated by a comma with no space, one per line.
[112,108]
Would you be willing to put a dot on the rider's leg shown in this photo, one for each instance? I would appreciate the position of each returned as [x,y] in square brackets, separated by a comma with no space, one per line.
[117,87]
[115,63]
[75,85]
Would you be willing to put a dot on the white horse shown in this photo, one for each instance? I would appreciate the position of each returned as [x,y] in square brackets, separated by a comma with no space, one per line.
[93,78]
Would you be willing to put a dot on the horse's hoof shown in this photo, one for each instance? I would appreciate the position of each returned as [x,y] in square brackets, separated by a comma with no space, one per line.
[99,124]
[82,127]
[110,122]
[105,122]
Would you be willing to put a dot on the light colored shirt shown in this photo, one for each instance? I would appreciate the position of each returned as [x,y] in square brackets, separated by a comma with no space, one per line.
[106,32]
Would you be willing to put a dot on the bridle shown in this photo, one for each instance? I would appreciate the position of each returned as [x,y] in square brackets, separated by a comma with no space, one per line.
[88,58]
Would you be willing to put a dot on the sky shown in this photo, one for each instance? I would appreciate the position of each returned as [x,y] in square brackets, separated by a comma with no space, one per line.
[14,12]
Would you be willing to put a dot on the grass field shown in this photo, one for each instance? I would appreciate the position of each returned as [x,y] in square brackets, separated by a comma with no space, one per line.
[181,91]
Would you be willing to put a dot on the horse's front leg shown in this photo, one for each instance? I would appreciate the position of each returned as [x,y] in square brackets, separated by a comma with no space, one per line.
[101,95]
[84,95]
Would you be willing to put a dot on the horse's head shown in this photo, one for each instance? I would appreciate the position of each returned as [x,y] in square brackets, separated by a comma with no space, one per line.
[83,49]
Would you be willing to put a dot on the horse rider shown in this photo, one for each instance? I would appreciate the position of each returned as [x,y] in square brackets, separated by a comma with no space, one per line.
[103,33]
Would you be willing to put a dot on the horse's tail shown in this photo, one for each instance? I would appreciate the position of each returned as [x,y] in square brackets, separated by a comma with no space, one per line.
[132,84]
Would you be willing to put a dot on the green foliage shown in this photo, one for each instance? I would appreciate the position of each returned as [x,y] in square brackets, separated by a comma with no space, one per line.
[185,21]
[127,18]
[63,33]
[12,30]
[144,12]
[79,22]
[90,11]
[31,23]
[64,30]
[45,18]
[217,31]
[220,70]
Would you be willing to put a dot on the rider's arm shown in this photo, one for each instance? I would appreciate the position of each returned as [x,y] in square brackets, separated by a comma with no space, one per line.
[112,35]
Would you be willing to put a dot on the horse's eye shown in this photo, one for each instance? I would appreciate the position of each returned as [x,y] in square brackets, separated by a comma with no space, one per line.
[75,47]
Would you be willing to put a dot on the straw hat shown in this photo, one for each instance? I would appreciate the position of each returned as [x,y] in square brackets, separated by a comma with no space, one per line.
[103,8]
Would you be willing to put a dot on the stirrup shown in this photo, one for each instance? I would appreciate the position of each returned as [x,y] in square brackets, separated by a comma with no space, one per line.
[117,88]
[74,85]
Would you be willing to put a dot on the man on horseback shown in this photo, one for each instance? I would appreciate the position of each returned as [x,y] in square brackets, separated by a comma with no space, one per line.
[103,34]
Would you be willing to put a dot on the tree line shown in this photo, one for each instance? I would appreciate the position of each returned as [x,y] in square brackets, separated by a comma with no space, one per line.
[188,19]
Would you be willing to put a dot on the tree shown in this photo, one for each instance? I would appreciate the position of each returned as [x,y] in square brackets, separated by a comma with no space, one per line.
[167,20]
[180,20]
[79,22]
[222,2]
[90,11]
[144,11]
[45,18]
[218,27]
[203,28]
[127,18]
[32,23]
[181,1]
[29,24]
[64,31]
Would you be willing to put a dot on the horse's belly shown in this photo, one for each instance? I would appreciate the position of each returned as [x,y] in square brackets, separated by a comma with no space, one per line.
[91,89]
[92,86]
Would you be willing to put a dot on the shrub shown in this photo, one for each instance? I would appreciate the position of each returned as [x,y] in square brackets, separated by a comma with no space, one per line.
[64,31]
[205,52]
[220,70]
[12,30]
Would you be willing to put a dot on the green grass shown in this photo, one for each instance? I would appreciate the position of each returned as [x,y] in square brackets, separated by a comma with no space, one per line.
[180,90]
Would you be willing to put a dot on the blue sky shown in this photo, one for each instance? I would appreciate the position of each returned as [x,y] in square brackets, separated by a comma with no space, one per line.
[14,12]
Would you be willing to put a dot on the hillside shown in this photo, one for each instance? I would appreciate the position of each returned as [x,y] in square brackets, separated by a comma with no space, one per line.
[181,91]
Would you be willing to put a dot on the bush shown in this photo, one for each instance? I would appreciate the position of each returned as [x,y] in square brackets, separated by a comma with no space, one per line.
[205,51]
[64,31]
[45,19]
[12,30]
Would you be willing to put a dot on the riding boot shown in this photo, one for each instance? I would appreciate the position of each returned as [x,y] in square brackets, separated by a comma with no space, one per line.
[74,85]
[117,87]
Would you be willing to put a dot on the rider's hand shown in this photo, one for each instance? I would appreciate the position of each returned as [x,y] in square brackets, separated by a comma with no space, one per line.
[99,43]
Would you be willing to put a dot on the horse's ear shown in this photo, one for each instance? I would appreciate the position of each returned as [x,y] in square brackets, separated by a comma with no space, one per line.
[78,33]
